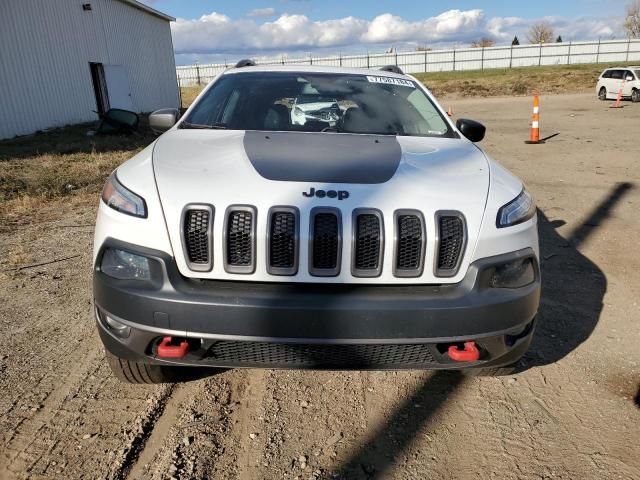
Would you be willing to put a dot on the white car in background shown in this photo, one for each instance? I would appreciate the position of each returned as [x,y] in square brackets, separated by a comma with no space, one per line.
[378,237]
[613,79]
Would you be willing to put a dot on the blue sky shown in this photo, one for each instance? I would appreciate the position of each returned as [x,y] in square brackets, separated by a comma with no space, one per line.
[213,31]
[328,9]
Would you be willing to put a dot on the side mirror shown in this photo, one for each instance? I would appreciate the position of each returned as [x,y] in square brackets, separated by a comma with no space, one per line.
[162,120]
[471,129]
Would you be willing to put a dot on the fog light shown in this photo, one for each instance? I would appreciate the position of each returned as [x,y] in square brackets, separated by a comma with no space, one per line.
[118,328]
[124,265]
[516,274]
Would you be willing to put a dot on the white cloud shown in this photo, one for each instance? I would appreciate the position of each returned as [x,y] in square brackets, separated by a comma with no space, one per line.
[453,25]
[216,33]
[262,12]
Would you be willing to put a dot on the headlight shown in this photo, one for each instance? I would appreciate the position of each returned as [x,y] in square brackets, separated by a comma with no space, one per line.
[124,265]
[118,197]
[515,274]
[519,210]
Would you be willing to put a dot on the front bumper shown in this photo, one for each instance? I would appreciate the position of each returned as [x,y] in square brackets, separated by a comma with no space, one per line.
[248,324]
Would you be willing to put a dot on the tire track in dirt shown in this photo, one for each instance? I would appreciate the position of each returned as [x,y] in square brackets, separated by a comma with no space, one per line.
[15,458]
[155,431]
[38,436]
[249,393]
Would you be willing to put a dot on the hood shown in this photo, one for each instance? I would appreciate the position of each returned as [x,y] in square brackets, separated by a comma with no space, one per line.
[307,170]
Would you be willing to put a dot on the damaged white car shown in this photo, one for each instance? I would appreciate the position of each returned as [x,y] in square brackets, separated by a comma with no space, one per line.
[366,231]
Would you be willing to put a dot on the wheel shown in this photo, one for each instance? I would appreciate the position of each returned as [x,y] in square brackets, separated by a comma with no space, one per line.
[602,94]
[635,95]
[138,372]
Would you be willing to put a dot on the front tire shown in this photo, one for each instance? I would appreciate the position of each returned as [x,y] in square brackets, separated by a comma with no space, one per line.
[635,95]
[602,94]
[139,372]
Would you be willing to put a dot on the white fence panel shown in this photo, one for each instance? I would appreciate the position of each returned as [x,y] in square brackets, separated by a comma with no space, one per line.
[447,60]
[634,53]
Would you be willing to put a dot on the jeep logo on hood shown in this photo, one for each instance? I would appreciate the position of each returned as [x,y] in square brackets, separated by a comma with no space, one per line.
[340,194]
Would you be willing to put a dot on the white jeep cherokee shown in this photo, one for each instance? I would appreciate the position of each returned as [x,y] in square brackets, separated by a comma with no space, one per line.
[373,235]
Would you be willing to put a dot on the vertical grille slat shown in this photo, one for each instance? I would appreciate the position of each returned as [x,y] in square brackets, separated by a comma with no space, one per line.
[410,243]
[451,242]
[197,237]
[367,243]
[325,247]
[325,251]
[282,241]
[239,234]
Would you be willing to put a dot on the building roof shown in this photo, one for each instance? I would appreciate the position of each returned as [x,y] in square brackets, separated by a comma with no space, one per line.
[148,9]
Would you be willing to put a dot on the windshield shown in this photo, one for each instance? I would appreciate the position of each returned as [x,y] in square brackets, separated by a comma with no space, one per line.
[318,102]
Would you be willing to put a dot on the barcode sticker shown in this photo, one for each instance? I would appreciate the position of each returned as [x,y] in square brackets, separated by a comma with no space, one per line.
[391,81]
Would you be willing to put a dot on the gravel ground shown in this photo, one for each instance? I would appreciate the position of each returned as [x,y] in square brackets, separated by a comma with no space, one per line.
[569,413]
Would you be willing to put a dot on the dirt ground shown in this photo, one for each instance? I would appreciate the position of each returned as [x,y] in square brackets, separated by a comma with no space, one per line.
[571,411]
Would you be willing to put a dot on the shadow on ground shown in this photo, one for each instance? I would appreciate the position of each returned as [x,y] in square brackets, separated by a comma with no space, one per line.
[573,287]
[572,294]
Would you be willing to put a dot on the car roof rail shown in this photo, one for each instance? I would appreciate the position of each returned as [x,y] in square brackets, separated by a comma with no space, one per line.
[245,63]
[392,69]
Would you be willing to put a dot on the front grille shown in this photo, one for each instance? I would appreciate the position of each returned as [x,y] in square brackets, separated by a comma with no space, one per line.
[239,240]
[367,244]
[282,244]
[451,240]
[410,244]
[321,356]
[197,237]
[325,242]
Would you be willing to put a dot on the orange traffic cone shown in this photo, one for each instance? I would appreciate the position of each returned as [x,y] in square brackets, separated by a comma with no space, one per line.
[534,138]
[619,97]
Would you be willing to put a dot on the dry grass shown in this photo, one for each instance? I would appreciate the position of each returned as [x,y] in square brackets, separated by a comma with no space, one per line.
[59,164]
[19,255]
[521,81]
[189,94]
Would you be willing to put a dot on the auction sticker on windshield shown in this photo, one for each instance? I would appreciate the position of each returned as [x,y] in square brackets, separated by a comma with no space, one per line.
[391,81]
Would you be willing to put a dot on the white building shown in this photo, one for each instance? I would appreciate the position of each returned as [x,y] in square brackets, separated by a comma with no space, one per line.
[62,59]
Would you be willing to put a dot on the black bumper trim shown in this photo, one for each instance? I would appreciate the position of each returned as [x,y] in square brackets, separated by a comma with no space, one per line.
[314,312]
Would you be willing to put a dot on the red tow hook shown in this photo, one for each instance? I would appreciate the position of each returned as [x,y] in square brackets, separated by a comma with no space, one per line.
[469,354]
[167,350]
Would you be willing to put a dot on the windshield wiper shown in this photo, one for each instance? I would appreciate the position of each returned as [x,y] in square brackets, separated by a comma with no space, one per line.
[215,126]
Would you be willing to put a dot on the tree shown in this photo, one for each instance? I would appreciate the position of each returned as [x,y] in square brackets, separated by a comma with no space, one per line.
[559,39]
[515,41]
[540,32]
[483,43]
[632,19]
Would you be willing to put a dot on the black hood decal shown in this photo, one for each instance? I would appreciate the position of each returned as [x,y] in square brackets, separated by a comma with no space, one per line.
[323,157]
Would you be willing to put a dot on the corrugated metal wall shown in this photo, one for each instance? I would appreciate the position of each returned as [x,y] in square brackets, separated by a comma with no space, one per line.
[45,50]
